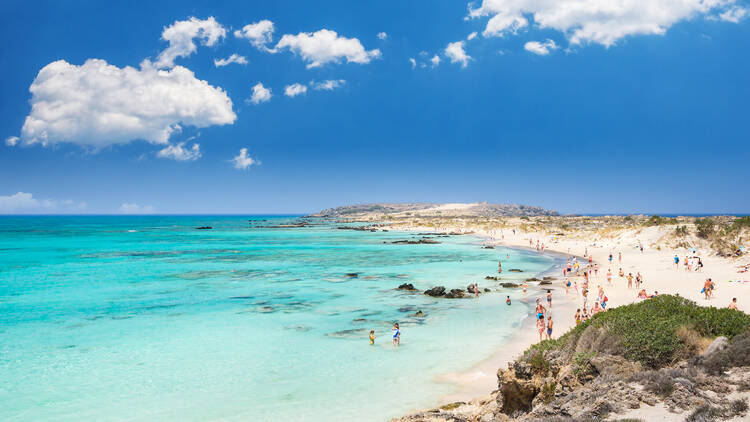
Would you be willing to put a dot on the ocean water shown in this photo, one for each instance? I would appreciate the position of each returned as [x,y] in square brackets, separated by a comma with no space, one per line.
[149,319]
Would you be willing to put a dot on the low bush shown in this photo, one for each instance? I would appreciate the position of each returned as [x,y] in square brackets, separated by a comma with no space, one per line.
[704,227]
[656,220]
[647,331]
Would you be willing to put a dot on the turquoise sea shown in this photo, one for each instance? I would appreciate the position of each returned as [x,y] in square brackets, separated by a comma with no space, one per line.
[126,318]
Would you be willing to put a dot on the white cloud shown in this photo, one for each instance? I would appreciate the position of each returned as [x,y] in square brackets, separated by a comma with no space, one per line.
[178,152]
[261,94]
[294,90]
[326,46]
[435,60]
[413,62]
[11,141]
[328,85]
[234,58]
[382,35]
[455,52]
[597,21]
[97,104]
[734,14]
[472,36]
[130,208]
[181,34]
[24,203]
[259,34]
[242,161]
[541,49]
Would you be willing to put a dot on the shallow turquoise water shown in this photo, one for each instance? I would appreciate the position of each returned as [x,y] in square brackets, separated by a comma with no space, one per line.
[148,319]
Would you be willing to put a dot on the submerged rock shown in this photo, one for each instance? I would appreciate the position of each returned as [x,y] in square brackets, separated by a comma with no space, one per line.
[509,285]
[406,286]
[492,277]
[515,270]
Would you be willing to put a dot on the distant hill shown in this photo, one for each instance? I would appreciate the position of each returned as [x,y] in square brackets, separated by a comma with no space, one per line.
[443,210]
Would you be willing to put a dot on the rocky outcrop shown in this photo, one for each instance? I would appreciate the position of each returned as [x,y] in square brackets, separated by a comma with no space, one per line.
[515,270]
[454,294]
[423,241]
[435,291]
[406,286]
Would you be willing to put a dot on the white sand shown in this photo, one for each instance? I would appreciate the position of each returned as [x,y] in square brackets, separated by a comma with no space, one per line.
[656,266]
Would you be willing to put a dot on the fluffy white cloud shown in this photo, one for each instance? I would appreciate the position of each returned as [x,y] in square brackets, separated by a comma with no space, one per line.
[98,104]
[234,58]
[734,14]
[597,21]
[295,89]
[181,34]
[455,52]
[242,161]
[261,94]
[130,208]
[23,203]
[259,34]
[382,35]
[539,48]
[328,85]
[180,153]
[472,36]
[435,60]
[11,141]
[413,62]
[326,46]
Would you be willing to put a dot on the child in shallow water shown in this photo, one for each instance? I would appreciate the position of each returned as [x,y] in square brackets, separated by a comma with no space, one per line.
[507,300]
[396,335]
[372,337]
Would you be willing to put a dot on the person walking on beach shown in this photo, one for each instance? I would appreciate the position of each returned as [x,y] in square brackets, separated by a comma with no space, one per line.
[619,257]
[676,262]
[396,335]
[733,303]
[610,258]
[707,288]
[567,286]
[540,328]
[630,280]
[372,337]
[549,298]
[577,316]
[540,310]
[596,271]
[549,327]
[609,276]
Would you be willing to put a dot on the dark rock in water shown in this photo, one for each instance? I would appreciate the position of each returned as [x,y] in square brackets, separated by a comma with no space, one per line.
[435,291]
[352,275]
[509,285]
[492,277]
[533,279]
[423,241]
[541,283]
[549,278]
[488,247]
[204,228]
[455,294]
[515,270]
[487,290]
[419,314]
[406,286]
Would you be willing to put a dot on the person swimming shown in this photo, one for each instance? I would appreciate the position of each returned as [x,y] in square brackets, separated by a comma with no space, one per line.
[372,337]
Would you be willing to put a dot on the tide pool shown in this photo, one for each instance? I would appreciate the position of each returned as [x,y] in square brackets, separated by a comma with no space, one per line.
[149,319]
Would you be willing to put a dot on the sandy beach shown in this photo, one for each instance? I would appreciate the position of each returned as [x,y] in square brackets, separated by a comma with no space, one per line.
[656,264]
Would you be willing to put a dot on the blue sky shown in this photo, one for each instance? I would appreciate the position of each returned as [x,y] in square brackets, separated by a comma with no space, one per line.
[645,113]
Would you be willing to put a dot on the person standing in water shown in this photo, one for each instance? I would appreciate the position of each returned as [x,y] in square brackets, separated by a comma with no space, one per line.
[524,285]
[499,267]
[396,335]
[372,337]
[507,300]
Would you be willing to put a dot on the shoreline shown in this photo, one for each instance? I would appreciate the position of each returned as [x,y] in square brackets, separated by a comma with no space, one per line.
[656,265]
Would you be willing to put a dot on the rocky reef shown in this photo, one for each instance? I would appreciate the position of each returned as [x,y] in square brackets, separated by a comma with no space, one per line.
[688,362]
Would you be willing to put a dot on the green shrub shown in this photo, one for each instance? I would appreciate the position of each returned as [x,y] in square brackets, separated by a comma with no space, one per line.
[704,227]
[656,220]
[647,331]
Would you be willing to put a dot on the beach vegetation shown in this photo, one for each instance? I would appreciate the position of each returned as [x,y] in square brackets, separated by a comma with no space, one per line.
[647,332]
[704,227]
[681,231]
[656,220]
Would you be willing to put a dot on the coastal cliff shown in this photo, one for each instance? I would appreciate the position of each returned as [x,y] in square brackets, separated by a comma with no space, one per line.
[665,358]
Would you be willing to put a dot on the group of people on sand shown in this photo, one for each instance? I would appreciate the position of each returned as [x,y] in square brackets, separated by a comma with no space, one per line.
[543,317]
[691,263]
